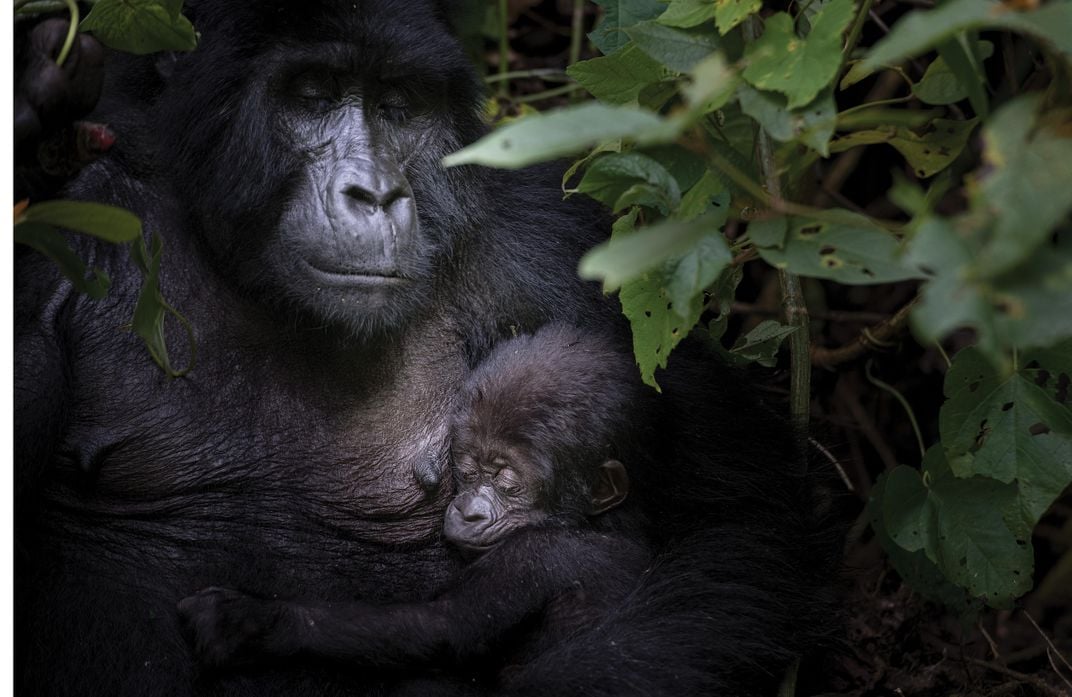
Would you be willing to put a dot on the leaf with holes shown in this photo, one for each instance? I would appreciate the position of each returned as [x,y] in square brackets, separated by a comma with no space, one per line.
[658,325]
[798,68]
[628,256]
[620,77]
[852,254]
[914,567]
[618,15]
[927,153]
[962,526]
[1014,427]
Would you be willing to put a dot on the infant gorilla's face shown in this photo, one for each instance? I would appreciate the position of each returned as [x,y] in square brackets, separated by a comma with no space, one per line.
[499,489]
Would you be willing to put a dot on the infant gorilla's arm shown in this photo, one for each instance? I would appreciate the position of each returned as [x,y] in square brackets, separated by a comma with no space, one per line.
[493,595]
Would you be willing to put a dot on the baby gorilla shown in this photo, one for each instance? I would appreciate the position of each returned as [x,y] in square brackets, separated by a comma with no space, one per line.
[537,447]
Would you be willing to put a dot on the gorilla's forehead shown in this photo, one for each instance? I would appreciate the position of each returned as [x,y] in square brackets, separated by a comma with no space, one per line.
[361,36]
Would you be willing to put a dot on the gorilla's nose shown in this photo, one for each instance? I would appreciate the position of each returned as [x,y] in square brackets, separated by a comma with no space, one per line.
[370,185]
[475,510]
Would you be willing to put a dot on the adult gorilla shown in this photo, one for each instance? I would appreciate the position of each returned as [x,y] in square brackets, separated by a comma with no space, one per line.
[341,283]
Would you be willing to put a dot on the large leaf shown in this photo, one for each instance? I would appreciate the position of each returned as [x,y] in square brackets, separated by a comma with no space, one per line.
[730,13]
[1013,427]
[658,325]
[961,526]
[798,68]
[920,31]
[141,26]
[551,135]
[848,253]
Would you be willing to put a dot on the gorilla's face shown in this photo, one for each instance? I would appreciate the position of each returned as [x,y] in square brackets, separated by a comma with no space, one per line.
[323,191]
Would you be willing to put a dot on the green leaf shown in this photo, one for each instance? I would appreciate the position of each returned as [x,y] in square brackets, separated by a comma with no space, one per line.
[1023,186]
[610,177]
[554,134]
[141,26]
[627,257]
[687,13]
[713,84]
[969,70]
[723,293]
[703,264]
[812,125]
[620,77]
[940,85]
[699,199]
[914,567]
[798,68]
[677,49]
[658,325]
[851,254]
[920,31]
[769,233]
[109,223]
[761,344]
[730,13]
[928,153]
[1014,427]
[960,526]
[618,15]
[151,309]
[50,242]
[685,166]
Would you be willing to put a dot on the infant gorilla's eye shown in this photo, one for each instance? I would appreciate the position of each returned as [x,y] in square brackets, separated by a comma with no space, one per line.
[507,482]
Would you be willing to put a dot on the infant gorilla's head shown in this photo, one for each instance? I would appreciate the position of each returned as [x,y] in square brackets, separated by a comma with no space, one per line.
[538,438]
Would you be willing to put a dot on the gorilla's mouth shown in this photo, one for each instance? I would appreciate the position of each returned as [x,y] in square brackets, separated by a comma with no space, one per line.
[341,275]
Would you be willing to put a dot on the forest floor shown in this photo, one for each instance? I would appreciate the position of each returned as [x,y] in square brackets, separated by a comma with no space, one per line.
[895,642]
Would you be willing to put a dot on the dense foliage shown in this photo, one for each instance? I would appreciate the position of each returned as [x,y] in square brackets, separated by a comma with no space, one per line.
[711,128]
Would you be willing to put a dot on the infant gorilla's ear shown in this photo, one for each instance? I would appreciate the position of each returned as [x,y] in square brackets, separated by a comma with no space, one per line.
[610,488]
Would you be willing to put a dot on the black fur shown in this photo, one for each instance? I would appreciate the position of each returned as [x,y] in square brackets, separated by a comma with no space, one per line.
[284,463]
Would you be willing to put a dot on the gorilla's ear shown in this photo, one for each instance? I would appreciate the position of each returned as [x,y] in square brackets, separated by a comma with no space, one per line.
[610,488]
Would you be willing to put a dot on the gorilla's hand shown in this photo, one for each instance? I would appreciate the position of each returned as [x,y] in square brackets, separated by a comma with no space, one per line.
[48,96]
[228,627]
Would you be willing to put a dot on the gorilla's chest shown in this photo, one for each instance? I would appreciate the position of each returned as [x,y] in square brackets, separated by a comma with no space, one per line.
[353,444]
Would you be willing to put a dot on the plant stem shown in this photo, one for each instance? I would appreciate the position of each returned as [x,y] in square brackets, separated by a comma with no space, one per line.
[504,50]
[72,32]
[543,73]
[547,94]
[854,33]
[576,34]
[796,310]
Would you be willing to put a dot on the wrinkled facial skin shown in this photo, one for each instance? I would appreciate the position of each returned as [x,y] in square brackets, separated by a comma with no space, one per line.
[327,197]
[496,495]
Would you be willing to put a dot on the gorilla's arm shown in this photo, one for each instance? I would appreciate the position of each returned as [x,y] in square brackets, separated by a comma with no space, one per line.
[514,581]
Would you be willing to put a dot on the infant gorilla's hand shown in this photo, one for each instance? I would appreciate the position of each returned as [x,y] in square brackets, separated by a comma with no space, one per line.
[228,627]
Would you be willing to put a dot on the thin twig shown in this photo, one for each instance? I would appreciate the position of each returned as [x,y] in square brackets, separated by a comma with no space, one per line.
[878,336]
[1022,677]
[542,73]
[834,461]
[1052,646]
